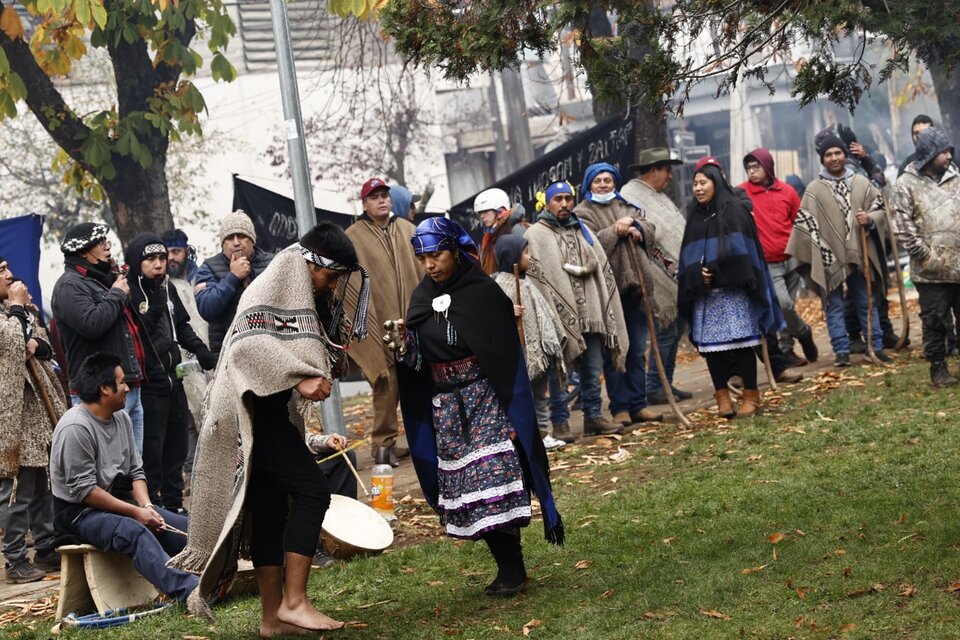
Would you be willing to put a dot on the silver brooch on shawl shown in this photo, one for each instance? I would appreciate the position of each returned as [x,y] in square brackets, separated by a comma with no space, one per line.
[441,308]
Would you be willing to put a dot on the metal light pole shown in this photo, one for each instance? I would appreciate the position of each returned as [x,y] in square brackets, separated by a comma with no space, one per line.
[332,408]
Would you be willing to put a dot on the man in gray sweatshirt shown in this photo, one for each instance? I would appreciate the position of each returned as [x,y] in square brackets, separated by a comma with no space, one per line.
[99,487]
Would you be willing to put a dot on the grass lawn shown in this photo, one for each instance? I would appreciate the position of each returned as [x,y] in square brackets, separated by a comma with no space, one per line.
[834,515]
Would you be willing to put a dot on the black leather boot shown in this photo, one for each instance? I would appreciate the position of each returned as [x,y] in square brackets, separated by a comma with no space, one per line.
[940,375]
[511,573]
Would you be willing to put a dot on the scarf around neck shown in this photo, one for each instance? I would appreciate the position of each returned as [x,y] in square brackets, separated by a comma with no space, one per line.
[572,221]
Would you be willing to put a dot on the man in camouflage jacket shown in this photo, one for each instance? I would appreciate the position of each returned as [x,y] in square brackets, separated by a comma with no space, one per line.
[927,223]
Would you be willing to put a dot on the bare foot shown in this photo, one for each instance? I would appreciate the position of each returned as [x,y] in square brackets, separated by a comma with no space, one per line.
[305,616]
[283,629]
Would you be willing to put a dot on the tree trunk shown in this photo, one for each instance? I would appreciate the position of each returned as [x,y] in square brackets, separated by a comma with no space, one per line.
[139,198]
[947,85]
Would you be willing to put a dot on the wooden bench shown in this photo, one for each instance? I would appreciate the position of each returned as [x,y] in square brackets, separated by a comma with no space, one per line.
[94,580]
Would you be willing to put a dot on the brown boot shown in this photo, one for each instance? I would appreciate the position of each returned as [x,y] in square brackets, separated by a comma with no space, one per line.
[751,403]
[724,404]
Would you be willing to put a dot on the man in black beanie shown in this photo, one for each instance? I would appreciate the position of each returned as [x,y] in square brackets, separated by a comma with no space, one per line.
[90,304]
[826,240]
[927,223]
[167,326]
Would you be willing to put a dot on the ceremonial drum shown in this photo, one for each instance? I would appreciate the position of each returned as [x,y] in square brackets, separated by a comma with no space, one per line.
[351,527]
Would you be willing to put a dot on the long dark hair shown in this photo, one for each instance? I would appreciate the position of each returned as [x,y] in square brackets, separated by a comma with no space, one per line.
[724,197]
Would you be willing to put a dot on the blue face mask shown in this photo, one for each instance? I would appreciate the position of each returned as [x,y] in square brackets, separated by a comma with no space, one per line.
[603,198]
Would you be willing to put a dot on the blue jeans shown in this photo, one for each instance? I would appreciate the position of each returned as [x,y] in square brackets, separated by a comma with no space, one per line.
[149,551]
[668,338]
[553,410]
[628,390]
[134,409]
[590,364]
[833,309]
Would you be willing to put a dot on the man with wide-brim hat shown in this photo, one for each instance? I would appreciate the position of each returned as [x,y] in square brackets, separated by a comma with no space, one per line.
[655,167]
[659,157]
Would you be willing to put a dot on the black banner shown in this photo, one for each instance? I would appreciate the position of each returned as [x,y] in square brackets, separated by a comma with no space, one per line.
[275,216]
[612,141]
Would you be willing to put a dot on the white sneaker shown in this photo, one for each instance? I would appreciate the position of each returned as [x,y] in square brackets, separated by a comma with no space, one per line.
[549,442]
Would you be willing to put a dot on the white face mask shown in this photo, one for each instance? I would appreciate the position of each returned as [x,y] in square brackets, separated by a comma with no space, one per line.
[604,198]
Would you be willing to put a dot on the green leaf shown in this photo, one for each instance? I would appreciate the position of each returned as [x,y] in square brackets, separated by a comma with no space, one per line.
[82,8]
[221,69]
[18,90]
[99,13]
[8,108]
[4,63]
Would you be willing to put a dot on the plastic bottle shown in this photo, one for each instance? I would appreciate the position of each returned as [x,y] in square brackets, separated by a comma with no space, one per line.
[187,367]
[381,493]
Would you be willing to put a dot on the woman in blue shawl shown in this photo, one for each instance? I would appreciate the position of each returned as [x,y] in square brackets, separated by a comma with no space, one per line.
[467,404]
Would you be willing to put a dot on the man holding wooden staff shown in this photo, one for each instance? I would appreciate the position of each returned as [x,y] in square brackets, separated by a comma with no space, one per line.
[825,241]
[31,401]
[621,230]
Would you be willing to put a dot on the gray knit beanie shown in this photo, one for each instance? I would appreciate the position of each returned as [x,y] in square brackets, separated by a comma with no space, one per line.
[237,222]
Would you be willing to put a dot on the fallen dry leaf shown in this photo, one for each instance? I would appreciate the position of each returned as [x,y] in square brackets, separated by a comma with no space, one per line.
[583,564]
[954,586]
[862,592]
[755,457]
[435,583]
[607,593]
[407,570]
[356,624]
[847,627]
[902,519]
[801,593]
[846,571]
[670,540]
[530,626]
[714,614]
[798,622]
[774,538]
[907,590]
[750,570]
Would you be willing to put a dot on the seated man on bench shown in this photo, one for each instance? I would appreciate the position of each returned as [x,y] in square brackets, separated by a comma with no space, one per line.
[99,487]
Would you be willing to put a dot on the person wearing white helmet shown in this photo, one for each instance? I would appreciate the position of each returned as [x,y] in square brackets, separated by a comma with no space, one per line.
[493,208]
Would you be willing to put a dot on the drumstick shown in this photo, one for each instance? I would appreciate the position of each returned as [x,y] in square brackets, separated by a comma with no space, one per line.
[167,527]
[353,469]
[350,448]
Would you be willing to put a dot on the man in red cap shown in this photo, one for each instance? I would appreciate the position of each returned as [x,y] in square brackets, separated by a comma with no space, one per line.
[775,206]
[382,241]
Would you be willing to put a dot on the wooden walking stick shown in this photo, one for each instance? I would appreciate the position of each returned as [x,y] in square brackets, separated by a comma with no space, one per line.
[772,379]
[516,280]
[901,288]
[34,372]
[654,345]
[864,250]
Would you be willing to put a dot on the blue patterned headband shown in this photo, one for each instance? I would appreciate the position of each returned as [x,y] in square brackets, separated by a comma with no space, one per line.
[441,234]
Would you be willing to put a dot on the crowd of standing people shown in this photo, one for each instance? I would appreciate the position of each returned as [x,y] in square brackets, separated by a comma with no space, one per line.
[482,344]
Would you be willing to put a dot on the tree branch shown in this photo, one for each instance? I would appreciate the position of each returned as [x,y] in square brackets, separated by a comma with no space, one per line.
[45,101]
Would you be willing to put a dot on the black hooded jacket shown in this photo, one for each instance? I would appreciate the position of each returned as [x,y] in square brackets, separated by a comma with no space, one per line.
[167,323]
